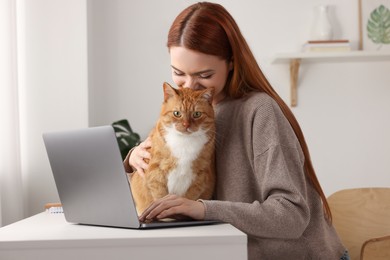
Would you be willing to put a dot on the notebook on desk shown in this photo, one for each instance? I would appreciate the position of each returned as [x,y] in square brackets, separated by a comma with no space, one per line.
[91,180]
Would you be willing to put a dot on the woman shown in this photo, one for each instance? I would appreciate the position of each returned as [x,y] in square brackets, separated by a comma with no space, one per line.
[266,184]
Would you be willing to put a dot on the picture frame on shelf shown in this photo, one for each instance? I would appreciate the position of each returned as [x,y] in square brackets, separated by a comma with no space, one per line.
[374,25]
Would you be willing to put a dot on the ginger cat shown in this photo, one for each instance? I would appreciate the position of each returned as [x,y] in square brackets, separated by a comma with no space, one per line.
[182,152]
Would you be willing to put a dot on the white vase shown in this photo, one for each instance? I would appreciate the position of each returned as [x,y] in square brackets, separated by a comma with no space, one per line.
[322,28]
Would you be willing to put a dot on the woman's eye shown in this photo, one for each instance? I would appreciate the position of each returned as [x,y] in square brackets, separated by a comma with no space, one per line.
[205,76]
[177,113]
[178,73]
[197,114]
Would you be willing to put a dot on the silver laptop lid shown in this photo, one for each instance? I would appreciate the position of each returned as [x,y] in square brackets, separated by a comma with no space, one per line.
[90,177]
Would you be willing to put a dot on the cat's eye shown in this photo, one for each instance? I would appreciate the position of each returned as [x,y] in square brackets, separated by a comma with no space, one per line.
[177,113]
[197,114]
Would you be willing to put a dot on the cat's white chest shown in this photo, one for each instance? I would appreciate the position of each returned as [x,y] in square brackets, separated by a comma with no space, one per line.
[186,149]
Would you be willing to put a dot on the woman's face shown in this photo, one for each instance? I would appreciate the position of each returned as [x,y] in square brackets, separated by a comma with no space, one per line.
[196,70]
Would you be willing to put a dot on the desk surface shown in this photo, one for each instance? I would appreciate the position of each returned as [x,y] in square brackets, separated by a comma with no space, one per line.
[46,233]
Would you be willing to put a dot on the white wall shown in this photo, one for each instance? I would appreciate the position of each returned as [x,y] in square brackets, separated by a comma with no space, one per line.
[52,57]
[342,107]
[128,61]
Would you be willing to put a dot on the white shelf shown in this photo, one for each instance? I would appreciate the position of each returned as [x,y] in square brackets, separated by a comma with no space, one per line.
[295,60]
[324,56]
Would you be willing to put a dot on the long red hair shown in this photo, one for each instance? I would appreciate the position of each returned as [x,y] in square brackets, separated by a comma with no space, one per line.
[209,28]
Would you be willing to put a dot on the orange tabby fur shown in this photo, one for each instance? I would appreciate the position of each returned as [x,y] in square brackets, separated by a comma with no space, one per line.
[175,153]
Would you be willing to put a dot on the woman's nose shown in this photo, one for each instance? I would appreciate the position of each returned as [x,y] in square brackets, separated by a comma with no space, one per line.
[190,83]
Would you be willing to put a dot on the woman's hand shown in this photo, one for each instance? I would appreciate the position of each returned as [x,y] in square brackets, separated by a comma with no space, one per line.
[138,155]
[173,206]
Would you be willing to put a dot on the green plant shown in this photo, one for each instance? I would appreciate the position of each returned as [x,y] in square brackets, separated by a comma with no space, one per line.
[125,136]
[378,26]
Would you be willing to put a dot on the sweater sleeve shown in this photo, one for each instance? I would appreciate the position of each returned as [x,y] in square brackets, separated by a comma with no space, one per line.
[283,214]
[128,168]
[273,202]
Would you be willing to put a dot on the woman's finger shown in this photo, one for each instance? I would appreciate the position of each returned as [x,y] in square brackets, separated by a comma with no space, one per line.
[140,171]
[184,207]
[144,154]
[154,208]
[146,144]
[172,206]
[138,155]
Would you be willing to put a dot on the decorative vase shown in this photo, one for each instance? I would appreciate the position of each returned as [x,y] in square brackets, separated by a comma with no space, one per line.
[322,28]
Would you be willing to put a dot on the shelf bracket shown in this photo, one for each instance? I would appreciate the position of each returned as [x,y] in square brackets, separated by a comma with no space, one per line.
[294,70]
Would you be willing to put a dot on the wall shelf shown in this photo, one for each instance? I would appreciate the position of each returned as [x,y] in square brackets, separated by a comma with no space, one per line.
[295,60]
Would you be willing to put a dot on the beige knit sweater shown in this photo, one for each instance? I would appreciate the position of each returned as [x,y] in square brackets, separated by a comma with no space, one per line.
[261,186]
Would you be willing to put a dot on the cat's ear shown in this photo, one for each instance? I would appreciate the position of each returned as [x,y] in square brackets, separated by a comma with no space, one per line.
[169,91]
[208,94]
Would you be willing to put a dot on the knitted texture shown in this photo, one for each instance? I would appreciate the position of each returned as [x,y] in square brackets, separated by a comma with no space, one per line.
[261,185]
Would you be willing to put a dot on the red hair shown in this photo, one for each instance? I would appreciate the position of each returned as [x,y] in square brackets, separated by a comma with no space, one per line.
[209,28]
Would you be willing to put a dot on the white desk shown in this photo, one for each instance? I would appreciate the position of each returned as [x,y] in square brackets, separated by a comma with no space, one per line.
[46,236]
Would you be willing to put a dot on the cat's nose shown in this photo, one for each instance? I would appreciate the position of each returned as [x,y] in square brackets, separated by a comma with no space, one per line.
[186,124]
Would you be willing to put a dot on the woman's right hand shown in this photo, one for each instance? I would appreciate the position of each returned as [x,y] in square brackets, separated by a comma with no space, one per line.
[138,155]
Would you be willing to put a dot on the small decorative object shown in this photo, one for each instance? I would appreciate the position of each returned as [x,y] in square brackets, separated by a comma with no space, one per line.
[374,25]
[322,28]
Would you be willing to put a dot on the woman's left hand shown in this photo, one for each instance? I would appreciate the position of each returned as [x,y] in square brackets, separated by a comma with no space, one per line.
[173,206]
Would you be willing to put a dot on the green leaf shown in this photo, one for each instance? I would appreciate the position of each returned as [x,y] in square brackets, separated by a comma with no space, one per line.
[125,136]
[378,25]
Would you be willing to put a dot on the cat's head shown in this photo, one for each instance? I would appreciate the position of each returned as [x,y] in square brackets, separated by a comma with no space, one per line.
[187,110]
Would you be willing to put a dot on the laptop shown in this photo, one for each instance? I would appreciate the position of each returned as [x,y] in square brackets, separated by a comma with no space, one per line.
[91,180]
